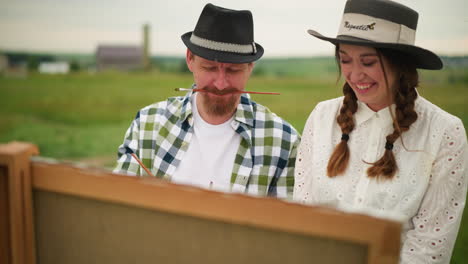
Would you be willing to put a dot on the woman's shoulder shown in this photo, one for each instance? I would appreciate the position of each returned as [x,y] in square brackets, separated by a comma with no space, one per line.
[434,115]
[325,111]
[329,105]
[443,129]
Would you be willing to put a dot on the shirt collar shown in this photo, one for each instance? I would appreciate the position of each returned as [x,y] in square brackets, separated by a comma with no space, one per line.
[244,113]
[364,113]
[186,109]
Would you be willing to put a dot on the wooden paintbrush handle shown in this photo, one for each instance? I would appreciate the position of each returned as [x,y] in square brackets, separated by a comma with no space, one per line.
[141,164]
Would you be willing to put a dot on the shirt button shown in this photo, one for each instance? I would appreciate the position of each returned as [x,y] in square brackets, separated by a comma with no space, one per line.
[359,200]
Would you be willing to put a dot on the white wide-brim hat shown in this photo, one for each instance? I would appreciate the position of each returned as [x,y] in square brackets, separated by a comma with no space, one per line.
[382,24]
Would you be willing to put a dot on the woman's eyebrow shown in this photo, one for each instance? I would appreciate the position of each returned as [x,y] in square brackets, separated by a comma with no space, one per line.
[368,55]
[361,55]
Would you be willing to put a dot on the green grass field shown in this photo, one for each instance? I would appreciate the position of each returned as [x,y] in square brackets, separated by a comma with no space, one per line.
[83,117]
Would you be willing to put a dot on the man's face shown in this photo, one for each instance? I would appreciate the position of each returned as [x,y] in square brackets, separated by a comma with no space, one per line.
[222,81]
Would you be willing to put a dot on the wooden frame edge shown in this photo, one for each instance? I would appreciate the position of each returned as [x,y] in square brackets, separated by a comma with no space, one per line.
[15,157]
[234,208]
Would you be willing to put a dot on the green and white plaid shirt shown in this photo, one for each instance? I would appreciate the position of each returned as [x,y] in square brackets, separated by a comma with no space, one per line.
[264,163]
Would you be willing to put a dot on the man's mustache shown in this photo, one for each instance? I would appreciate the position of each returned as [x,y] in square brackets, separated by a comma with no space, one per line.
[213,90]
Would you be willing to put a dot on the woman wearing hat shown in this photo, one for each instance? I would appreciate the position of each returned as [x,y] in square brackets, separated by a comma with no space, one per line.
[381,148]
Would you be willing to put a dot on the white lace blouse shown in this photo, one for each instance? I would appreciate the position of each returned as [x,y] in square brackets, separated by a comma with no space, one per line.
[428,192]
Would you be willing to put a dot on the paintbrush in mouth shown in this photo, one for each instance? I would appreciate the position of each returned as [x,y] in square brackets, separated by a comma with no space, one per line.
[238,91]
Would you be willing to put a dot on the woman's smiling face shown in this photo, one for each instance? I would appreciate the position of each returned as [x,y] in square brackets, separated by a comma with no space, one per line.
[362,69]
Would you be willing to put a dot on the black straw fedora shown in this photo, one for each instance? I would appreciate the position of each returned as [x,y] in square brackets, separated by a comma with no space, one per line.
[382,24]
[224,35]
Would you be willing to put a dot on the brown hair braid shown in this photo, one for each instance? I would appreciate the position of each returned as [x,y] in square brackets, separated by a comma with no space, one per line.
[339,159]
[404,96]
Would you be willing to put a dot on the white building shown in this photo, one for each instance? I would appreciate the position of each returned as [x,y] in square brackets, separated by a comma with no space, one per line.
[55,67]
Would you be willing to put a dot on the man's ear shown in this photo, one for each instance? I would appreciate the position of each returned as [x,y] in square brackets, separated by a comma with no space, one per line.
[189,58]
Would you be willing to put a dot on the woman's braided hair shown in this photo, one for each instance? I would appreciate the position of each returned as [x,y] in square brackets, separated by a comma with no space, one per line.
[404,95]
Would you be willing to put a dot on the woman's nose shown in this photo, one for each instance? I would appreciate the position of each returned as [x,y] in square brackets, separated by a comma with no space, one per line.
[355,74]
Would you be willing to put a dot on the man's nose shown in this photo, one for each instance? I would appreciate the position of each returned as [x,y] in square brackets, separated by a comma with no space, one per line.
[221,81]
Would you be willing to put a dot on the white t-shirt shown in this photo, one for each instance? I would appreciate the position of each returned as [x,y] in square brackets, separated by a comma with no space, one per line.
[210,156]
[428,192]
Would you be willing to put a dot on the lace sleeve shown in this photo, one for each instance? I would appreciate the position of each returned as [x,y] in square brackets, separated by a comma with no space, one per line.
[438,219]
[303,155]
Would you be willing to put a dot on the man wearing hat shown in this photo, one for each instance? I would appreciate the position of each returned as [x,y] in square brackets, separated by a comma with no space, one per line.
[382,149]
[215,136]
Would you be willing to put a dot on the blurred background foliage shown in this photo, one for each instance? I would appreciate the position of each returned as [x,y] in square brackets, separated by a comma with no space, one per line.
[82,116]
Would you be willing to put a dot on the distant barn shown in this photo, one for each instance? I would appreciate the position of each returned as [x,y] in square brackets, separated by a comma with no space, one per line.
[118,57]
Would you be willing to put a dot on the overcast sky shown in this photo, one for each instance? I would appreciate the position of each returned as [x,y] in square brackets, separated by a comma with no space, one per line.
[280,26]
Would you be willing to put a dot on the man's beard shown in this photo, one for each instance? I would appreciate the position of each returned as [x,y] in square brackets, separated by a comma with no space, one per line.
[220,106]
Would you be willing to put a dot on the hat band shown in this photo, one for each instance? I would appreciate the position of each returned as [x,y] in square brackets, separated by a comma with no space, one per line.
[375,29]
[222,46]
